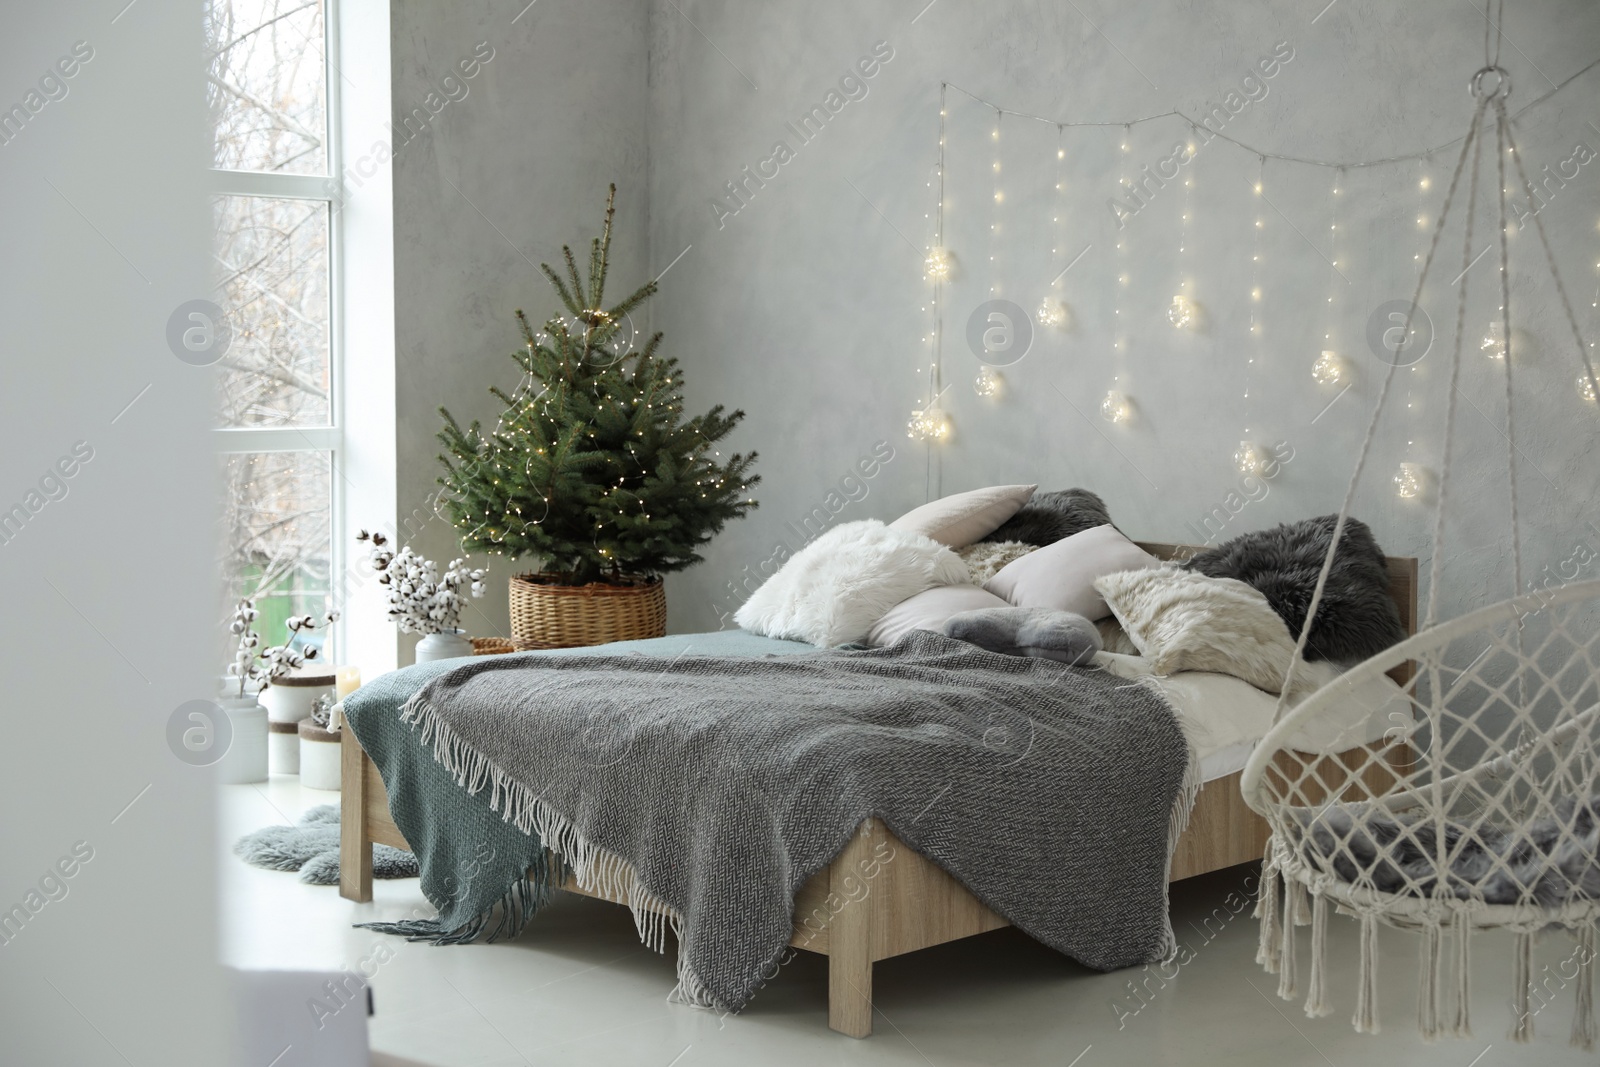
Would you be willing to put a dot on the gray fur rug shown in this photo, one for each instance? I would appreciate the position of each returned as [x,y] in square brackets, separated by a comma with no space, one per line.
[1049,517]
[1549,861]
[311,847]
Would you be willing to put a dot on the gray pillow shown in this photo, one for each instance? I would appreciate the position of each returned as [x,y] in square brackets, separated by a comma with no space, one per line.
[1040,633]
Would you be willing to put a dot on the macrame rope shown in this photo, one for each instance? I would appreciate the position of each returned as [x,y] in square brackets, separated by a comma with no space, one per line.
[1428,984]
[1366,1016]
[1521,987]
[1583,1023]
[1268,946]
[1462,1027]
[1288,968]
[1317,994]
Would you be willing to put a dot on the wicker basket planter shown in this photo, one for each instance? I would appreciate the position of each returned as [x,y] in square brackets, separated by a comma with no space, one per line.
[547,615]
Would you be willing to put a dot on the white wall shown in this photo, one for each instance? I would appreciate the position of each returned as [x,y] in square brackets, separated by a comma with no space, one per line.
[500,180]
[108,626]
[805,307]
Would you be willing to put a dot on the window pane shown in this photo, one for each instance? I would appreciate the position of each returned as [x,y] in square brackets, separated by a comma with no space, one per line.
[266,86]
[272,257]
[277,512]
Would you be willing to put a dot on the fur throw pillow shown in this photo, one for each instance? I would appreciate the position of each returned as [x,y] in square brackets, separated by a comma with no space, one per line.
[1357,618]
[985,558]
[1049,517]
[834,589]
[1183,621]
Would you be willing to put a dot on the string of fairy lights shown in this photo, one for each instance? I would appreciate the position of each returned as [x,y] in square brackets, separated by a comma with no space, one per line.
[1329,370]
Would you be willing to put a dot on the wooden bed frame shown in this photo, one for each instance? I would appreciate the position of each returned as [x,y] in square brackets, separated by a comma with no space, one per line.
[878,898]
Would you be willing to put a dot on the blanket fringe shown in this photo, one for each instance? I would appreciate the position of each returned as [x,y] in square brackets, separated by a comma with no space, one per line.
[503,919]
[1178,818]
[595,869]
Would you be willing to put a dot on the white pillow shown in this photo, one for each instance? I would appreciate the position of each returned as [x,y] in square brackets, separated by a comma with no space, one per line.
[1062,576]
[960,519]
[835,588]
[1183,621]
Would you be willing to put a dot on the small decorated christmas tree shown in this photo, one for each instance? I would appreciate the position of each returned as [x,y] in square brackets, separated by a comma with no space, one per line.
[593,467]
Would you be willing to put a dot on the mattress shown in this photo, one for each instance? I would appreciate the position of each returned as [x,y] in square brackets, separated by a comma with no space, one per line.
[1225,717]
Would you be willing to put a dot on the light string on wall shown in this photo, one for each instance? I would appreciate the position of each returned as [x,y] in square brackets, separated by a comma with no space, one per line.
[929,423]
[1250,457]
[1183,310]
[1410,478]
[1115,406]
[1052,311]
[1329,368]
[941,261]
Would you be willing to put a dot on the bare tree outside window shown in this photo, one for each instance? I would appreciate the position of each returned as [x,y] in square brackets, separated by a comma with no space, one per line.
[268,100]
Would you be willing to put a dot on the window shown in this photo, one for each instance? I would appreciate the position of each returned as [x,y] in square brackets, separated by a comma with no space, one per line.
[274,112]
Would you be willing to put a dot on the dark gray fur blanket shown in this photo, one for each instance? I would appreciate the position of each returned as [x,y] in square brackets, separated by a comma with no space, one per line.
[1549,861]
[716,787]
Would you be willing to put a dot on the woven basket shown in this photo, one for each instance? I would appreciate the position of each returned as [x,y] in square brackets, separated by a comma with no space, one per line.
[566,616]
[492,646]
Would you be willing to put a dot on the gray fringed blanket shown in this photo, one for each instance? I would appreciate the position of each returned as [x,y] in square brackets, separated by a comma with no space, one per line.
[716,787]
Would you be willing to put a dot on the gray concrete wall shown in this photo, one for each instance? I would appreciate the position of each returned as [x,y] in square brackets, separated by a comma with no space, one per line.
[498,181]
[806,307]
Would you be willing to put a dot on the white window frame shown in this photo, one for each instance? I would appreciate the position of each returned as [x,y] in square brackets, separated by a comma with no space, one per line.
[320,188]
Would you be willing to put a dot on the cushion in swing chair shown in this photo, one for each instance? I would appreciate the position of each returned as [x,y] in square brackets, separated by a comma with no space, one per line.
[1550,861]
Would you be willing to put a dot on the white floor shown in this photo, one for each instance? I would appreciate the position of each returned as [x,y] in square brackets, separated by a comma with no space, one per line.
[577,988]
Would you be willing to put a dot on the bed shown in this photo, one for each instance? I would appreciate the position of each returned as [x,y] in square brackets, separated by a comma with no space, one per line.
[879,898]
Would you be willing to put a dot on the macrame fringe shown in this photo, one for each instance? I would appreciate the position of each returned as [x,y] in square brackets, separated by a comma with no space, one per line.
[1302,903]
[1462,1027]
[1522,984]
[1317,995]
[1267,908]
[1288,969]
[595,869]
[1583,1024]
[1428,984]
[1365,1019]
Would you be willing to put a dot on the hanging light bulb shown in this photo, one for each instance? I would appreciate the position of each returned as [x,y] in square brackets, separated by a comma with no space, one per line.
[1586,388]
[1408,481]
[1329,369]
[1494,341]
[928,424]
[1052,312]
[1181,313]
[1115,407]
[987,383]
[1250,458]
[938,264]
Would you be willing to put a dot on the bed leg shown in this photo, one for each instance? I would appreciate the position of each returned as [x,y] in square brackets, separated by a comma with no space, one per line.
[355,846]
[850,939]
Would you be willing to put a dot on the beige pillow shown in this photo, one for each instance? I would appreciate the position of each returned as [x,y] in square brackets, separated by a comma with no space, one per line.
[1061,576]
[928,610]
[985,558]
[961,519]
[1183,621]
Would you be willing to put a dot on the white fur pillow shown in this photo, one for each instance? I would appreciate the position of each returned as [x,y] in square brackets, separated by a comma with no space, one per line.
[985,558]
[835,588]
[1183,621]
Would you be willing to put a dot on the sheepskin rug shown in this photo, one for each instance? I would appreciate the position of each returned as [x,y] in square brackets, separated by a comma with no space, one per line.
[1048,517]
[834,589]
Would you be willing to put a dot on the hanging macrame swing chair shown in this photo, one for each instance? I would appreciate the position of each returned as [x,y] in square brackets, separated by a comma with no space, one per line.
[1479,807]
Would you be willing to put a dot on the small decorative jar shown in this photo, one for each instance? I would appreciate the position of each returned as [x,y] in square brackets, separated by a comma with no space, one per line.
[288,700]
[319,756]
[443,646]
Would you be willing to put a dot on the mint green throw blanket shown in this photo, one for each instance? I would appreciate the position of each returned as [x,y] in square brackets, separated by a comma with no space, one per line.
[485,877]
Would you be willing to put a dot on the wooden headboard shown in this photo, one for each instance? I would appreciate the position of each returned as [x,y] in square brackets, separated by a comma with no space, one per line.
[1402,588]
